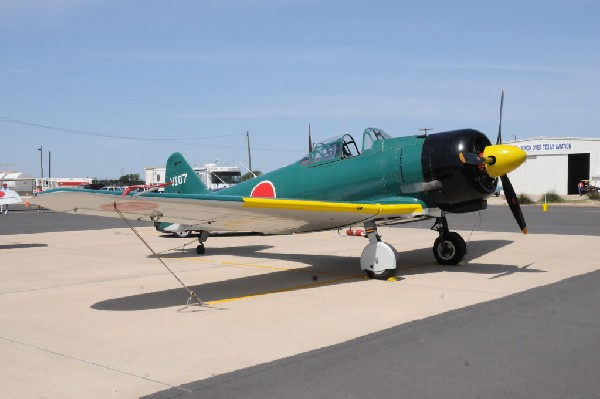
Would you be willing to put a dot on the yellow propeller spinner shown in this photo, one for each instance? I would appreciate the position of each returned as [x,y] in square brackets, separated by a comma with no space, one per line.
[507,158]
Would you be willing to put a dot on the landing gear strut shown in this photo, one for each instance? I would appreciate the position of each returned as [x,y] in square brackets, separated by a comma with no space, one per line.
[202,237]
[449,248]
[378,259]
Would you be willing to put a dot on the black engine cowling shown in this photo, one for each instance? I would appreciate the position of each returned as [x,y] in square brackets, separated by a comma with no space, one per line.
[464,187]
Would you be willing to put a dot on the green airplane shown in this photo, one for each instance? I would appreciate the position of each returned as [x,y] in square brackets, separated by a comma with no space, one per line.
[338,184]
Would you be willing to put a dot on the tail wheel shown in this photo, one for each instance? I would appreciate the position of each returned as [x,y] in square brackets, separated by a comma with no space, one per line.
[200,250]
[449,249]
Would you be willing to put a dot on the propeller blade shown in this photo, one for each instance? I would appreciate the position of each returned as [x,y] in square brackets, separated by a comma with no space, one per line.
[499,139]
[513,203]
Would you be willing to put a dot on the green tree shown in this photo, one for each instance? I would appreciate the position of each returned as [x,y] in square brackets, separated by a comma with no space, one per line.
[130,179]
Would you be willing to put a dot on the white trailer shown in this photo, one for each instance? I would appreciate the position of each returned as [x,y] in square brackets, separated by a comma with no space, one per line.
[47,183]
[216,177]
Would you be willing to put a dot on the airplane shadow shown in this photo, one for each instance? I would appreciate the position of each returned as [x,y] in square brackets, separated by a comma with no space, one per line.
[421,261]
[321,270]
[21,246]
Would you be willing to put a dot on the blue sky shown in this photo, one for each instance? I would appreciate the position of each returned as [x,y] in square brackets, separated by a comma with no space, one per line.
[77,76]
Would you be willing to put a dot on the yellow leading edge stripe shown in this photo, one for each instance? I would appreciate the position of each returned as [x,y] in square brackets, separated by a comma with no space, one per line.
[322,206]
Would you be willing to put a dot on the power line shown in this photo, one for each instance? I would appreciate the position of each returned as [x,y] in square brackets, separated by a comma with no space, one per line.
[103,135]
[113,136]
[232,147]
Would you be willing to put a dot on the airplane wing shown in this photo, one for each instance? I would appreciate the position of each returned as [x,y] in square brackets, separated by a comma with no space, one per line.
[213,212]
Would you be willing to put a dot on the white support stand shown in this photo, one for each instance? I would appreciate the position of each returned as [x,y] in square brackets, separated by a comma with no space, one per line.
[378,258]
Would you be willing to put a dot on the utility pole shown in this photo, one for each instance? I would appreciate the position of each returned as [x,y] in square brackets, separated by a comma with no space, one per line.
[41,150]
[49,164]
[425,129]
[249,155]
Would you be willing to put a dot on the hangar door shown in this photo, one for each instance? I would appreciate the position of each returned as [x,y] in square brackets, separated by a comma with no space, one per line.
[579,169]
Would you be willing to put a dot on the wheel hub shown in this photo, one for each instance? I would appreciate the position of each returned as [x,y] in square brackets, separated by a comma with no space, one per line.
[446,249]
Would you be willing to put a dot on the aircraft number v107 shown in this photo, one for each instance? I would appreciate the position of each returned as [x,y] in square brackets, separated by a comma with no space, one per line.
[179,179]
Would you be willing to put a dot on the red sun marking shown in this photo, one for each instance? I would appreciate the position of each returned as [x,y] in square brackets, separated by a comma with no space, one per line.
[1,194]
[264,189]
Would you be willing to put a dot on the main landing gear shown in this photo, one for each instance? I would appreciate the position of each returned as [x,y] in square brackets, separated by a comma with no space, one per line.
[378,259]
[449,248]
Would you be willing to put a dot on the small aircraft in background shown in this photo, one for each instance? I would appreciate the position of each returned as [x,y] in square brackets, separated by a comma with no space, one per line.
[338,184]
[7,197]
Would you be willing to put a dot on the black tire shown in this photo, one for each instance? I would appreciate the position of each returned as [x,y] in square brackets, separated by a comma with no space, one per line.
[449,249]
[384,275]
[200,250]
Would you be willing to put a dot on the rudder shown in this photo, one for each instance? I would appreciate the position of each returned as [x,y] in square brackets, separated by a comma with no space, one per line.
[182,178]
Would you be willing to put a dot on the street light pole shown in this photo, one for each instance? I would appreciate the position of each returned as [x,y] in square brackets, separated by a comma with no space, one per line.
[41,150]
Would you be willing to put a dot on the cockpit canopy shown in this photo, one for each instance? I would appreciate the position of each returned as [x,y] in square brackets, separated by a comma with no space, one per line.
[371,135]
[342,147]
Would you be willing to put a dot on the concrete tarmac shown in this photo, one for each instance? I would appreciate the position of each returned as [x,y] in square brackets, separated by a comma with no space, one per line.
[27,220]
[542,343]
[92,314]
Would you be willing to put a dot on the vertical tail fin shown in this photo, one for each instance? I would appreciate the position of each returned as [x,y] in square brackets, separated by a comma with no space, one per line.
[182,178]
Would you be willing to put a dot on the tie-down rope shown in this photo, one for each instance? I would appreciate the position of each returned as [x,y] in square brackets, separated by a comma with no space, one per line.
[193,296]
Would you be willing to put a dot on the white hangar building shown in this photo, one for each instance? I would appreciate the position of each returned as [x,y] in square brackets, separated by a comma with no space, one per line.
[556,165]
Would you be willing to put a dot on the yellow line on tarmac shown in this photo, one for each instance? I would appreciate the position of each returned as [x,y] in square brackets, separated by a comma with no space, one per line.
[295,288]
[255,266]
[342,277]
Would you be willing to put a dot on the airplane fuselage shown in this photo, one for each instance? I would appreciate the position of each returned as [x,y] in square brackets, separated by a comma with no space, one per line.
[419,169]
[390,168]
